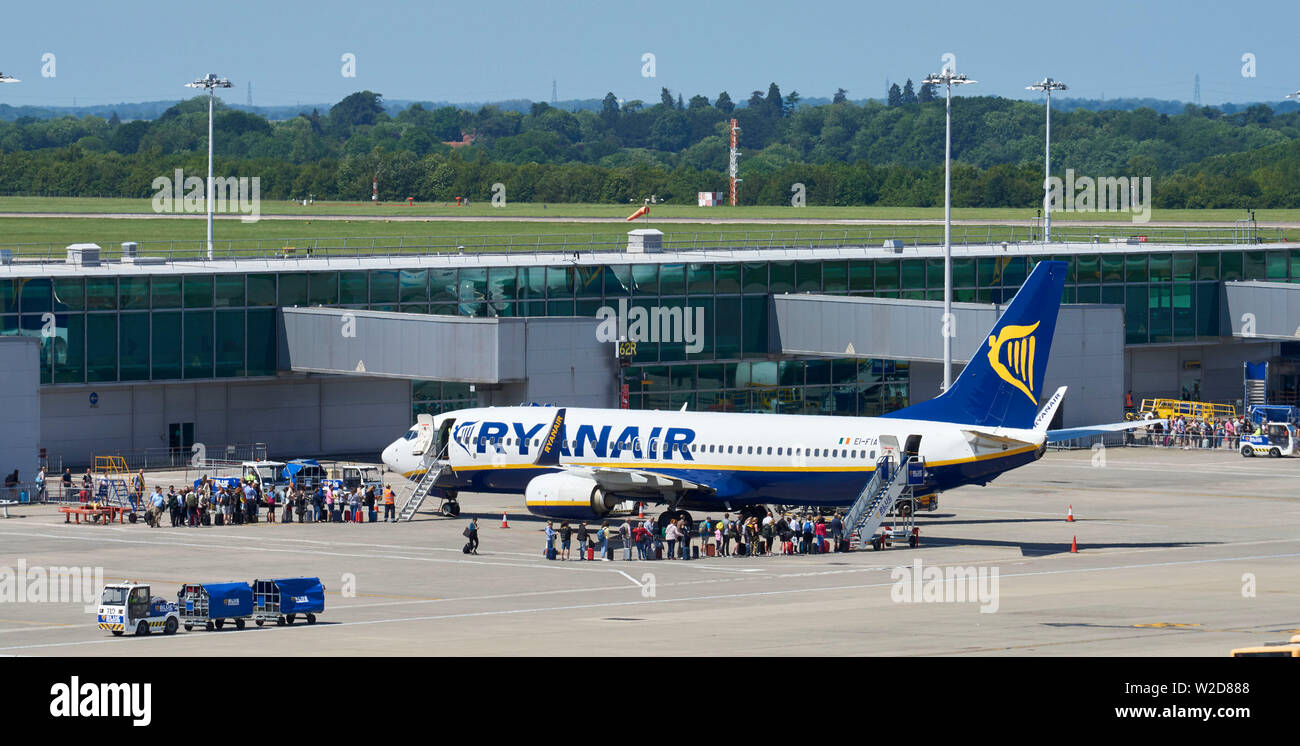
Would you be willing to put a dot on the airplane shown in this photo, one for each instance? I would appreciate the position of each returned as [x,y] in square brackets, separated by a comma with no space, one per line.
[578,463]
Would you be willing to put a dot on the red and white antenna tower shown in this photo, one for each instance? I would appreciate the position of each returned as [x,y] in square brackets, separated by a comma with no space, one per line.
[735,159]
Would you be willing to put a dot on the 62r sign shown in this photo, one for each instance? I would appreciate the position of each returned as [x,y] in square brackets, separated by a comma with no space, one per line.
[627,349]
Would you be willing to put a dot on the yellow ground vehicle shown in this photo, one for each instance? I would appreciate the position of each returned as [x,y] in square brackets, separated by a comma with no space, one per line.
[1288,650]
[1162,409]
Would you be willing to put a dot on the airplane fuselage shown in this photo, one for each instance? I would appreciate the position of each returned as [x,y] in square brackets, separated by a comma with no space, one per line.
[744,458]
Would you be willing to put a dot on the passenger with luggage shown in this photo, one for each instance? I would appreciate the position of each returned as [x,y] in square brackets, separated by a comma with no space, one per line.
[837,530]
[642,537]
[550,540]
[582,540]
[625,535]
[670,537]
[192,507]
[354,502]
[156,506]
[368,501]
[471,533]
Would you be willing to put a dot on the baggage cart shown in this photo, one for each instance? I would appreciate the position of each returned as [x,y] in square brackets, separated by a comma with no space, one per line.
[211,605]
[283,600]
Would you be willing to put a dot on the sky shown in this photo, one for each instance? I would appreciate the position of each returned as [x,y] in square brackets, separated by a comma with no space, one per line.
[293,52]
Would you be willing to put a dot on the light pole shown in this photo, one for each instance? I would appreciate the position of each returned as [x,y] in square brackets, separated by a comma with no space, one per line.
[948,78]
[211,83]
[1047,85]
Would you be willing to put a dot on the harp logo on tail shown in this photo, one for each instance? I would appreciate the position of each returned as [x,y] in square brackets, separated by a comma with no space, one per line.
[1018,368]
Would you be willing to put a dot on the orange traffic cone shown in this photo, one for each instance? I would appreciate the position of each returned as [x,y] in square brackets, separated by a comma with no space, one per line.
[640,511]
[1069,517]
[1074,545]
[504,523]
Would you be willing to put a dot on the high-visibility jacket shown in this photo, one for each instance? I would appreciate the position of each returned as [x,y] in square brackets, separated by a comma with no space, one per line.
[388,497]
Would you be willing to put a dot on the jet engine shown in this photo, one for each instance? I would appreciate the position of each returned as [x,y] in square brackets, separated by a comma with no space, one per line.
[567,496]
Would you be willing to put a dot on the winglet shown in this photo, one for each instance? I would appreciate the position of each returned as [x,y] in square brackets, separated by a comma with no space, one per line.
[549,455]
[1044,417]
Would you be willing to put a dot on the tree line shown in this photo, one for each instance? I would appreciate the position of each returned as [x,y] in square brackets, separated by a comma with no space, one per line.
[844,153]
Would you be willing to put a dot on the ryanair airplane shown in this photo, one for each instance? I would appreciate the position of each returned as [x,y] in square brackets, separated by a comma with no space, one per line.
[573,463]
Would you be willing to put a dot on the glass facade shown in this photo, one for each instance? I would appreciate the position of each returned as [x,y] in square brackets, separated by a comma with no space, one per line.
[195,327]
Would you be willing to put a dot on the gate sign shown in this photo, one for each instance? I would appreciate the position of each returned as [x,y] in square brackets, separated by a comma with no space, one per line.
[915,473]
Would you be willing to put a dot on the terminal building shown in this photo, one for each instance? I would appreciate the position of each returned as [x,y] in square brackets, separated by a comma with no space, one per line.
[333,354]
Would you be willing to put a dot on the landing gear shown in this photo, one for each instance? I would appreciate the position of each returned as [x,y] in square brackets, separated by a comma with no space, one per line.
[449,508]
[672,515]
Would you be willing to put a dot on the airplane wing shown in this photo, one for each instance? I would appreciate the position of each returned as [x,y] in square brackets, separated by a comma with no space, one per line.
[635,481]
[1054,436]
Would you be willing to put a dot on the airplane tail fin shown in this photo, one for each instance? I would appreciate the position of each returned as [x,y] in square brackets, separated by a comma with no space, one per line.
[549,453]
[1002,385]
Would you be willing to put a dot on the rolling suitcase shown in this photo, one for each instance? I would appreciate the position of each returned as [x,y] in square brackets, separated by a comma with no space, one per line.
[374,515]
[591,552]
[695,552]
[550,553]
[239,517]
[207,518]
[659,552]
[467,548]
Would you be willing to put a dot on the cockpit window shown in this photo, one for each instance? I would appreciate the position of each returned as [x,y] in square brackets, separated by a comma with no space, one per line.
[411,434]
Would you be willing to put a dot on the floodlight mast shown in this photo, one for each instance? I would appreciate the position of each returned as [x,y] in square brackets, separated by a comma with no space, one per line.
[948,77]
[1047,85]
[211,83]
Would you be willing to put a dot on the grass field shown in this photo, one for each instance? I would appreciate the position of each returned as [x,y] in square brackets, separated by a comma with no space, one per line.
[517,225]
[523,210]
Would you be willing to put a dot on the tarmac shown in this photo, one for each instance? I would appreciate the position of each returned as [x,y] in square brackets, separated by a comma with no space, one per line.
[1179,553]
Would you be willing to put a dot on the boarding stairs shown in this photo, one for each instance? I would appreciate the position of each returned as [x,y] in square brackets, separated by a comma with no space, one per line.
[113,468]
[1256,392]
[888,483]
[432,471]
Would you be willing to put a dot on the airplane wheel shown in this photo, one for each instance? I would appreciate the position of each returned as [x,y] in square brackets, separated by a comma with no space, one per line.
[453,508]
[142,629]
[117,633]
[311,618]
[170,627]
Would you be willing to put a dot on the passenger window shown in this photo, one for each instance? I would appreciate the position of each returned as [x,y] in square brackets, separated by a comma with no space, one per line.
[729,449]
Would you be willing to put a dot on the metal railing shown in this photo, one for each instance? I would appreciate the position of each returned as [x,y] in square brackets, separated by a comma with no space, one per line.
[181,458]
[1022,237]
